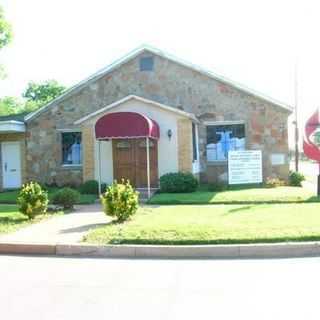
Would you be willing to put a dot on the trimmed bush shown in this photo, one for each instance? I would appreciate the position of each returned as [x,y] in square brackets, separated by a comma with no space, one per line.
[92,187]
[120,200]
[178,182]
[217,187]
[66,197]
[32,200]
[296,178]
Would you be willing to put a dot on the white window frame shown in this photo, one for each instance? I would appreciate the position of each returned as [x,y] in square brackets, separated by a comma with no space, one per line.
[61,131]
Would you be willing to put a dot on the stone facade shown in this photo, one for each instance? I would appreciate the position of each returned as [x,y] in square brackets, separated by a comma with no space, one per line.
[169,83]
[14,137]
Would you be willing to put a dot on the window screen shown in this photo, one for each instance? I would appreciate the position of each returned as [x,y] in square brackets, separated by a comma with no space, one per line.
[146,64]
[71,148]
[223,138]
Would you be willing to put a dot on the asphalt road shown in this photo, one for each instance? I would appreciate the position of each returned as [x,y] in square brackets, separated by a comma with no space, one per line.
[70,288]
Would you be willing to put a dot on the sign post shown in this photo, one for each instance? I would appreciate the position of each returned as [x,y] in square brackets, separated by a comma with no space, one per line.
[245,166]
[311,142]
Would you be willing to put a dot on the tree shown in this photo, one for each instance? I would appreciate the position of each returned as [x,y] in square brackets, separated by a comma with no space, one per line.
[5,37]
[39,94]
[10,105]
[5,30]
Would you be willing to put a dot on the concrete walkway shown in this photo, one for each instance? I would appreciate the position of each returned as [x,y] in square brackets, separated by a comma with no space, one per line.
[68,228]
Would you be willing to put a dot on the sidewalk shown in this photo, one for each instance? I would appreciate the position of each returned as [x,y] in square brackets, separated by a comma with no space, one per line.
[68,228]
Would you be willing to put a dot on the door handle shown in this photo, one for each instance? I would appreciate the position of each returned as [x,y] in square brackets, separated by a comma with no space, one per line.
[5,166]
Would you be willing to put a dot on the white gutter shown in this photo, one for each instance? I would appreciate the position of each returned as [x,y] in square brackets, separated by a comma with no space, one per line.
[11,126]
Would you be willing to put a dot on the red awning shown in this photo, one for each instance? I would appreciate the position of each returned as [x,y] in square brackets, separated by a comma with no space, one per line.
[121,125]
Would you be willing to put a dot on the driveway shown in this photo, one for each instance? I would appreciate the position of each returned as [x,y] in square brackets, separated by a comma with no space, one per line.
[68,228]
[65,288]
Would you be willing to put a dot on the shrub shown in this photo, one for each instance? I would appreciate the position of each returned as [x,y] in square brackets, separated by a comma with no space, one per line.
[178,182]
[120,201]
[32,200]
[296,178]
[273,182]
[92,187]
[66,197]
[217,187]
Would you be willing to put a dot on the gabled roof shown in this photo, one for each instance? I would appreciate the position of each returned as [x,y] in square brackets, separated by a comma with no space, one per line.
[135,53]
[137,98]
[14,117]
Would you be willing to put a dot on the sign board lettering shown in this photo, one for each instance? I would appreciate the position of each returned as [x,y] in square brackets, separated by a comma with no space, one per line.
[245,166]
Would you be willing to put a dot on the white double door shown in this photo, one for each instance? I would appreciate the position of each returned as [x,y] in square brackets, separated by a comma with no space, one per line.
[11,165]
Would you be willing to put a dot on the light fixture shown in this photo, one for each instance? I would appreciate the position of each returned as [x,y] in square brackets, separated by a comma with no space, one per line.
[169,133]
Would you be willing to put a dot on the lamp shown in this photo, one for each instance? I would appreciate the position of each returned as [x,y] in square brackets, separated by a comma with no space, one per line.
[169,133]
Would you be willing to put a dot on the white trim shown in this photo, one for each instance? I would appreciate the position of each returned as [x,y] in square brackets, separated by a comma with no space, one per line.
[160,53]
[143,100]
[223,123]
[12,126]
[69,130]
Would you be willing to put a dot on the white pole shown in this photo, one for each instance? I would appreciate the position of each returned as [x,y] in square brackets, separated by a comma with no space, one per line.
[148,166]
[99,165]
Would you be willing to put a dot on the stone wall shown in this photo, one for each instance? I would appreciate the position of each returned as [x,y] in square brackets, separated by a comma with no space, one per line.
[171,84]
[14,137]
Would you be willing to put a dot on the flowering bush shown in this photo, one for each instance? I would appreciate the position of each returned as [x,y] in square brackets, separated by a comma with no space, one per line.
[120,200]
[32,200]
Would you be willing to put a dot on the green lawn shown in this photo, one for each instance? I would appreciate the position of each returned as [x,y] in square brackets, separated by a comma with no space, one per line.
[11,219]
[237,196]
[218,224]
[10,197]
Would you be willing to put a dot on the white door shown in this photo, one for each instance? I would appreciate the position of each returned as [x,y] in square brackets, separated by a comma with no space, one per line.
[11,165]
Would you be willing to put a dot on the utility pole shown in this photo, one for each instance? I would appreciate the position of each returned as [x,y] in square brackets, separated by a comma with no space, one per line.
[296,131]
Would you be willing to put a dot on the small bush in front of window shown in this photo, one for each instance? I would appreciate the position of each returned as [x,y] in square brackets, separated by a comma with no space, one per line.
[120,201]
[66,197]
[296,178]
[217,187]
[32,200]
[92,187]
[178,182]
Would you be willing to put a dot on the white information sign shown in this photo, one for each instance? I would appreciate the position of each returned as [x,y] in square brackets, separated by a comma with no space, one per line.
[245,166]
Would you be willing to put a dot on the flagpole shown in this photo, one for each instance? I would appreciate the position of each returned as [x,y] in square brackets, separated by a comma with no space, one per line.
[296,133]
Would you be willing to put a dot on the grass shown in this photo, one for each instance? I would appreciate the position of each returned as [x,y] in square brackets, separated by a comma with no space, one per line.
[11,219]
[10,197]
[237,196]
[218,224]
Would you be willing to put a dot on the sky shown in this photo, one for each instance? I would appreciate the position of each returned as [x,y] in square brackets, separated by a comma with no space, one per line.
[257,43]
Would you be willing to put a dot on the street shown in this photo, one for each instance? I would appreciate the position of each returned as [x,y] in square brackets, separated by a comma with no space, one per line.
[79,288]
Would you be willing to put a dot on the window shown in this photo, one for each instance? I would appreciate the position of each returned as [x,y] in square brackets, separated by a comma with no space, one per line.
[146,64]
[222,138]
[194,142]
[71,148]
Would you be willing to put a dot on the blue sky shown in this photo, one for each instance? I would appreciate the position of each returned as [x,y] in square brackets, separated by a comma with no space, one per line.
[252,42]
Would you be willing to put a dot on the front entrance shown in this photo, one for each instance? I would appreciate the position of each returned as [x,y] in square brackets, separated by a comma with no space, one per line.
[130,161]
[11,165]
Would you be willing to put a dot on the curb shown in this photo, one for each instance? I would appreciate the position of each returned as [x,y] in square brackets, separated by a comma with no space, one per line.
[278,250]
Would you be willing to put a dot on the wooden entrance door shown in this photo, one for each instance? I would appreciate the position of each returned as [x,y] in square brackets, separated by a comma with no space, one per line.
[130,161]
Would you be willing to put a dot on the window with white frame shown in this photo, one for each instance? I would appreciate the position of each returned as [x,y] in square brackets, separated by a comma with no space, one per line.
[71,148]
[223,138]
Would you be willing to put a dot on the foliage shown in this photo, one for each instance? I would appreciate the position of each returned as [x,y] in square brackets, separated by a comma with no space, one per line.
[120,200]
[5,30]
[10,105]
[178,182]
[217,187]
[296,178]
[66,197]
[92,187]
[43,92]
[274,182]
[32,200]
